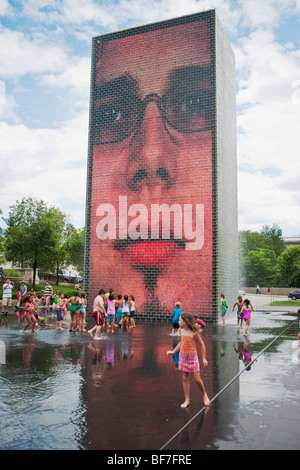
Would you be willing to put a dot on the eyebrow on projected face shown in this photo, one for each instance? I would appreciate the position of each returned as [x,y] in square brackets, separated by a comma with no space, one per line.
[181,77]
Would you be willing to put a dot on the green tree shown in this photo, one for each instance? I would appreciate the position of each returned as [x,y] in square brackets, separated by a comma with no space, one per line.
[260,267]
[75,248]
[272,239]
[289,267]
[63,252]
[33,234]
[1,243]
[256,247]
[249,241]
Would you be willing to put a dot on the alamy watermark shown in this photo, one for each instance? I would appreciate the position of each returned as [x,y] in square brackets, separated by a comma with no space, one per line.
[188,222]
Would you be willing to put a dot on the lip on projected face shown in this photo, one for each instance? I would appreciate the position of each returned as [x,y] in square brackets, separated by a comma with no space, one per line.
[149,252]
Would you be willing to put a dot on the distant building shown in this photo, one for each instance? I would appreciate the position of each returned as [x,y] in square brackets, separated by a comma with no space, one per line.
[291,241]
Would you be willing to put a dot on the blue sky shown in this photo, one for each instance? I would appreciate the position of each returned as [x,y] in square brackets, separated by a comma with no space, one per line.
[45,50]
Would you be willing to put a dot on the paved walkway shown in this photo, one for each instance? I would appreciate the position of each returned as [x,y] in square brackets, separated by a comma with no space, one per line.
[263,300]
[259,408]
[124,392]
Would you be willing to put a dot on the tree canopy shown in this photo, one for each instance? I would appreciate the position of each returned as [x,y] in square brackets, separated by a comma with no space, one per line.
[37,236]
[265,260]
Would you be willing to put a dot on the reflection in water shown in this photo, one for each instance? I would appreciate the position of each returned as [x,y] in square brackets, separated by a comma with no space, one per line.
[62,390]
[243,350]
[41,404]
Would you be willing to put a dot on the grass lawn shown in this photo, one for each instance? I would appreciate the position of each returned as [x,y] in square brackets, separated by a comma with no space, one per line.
[285,303]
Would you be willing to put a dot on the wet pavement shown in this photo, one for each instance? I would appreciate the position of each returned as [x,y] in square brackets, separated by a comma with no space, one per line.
[62,390]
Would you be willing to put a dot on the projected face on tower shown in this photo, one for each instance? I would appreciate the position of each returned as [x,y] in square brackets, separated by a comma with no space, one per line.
[151,186]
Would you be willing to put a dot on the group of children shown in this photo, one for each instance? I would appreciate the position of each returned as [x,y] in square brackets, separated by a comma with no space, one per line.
[113,310]
[33,308]
[244,309]
[122,310]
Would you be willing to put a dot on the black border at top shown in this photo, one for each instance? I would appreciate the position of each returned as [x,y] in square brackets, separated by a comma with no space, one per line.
[158,25]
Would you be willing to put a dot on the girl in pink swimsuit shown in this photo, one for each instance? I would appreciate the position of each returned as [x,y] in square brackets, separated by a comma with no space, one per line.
[29,315]
[246,312]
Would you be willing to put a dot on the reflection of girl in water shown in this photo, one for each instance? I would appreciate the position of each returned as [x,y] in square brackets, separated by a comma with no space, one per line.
[244,353]
[247,358]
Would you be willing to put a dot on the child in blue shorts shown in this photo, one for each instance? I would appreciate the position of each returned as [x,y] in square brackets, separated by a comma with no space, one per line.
[176,314]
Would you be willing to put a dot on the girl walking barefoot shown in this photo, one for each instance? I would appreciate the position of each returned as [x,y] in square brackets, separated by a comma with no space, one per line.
[246,311]
[188,357]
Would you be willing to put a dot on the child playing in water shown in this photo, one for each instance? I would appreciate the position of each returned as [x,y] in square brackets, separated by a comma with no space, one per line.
[29,314]
[188,357]
[239,304]
[60,306]
[246,311]
[176,315]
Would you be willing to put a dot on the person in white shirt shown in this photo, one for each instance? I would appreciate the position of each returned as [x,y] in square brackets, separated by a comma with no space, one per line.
[99,314]
[7,296]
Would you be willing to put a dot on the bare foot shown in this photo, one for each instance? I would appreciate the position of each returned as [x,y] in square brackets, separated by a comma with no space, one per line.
[186,404]
[206,399]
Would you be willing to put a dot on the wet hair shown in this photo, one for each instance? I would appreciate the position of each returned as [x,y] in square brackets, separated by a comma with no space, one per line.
[82,295]
[120,296]
[126,298]
[247,302]
[189,319]
[132,297]
[111,296]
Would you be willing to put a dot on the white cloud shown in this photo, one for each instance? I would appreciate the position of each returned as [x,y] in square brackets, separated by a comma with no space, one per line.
[5,8]
[268,135]
[75,74]
[267,13]
[262,202]
[21,55]
[46,164]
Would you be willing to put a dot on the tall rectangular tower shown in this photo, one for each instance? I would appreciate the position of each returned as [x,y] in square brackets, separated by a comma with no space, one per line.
[161,215]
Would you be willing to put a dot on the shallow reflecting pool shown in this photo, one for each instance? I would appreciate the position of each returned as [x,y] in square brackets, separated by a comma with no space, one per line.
[62,390]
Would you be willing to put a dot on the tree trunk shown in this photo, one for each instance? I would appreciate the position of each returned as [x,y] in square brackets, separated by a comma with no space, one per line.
[34,273]
[57,275]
